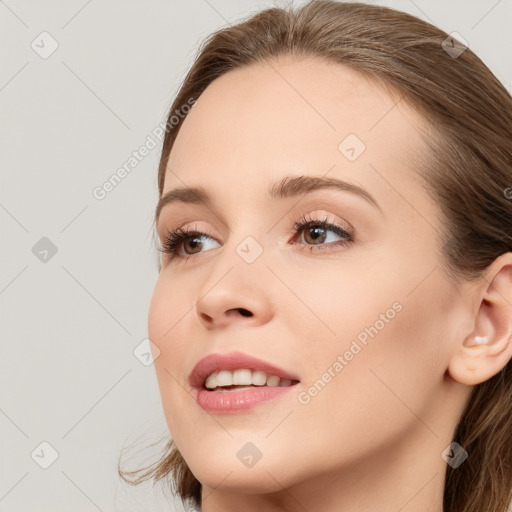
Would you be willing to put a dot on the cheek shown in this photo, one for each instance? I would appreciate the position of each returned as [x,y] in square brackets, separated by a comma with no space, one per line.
[371,359]
[381,388]
[169,314]
[332,306]
[171,309]
[163,311]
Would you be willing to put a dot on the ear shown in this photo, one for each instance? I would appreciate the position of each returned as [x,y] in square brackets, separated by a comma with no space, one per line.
[488,348]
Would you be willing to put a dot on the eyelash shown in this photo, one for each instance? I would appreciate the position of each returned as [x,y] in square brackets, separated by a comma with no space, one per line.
[173,239]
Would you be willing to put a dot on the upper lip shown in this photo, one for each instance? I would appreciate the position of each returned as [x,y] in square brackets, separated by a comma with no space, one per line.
[232,361]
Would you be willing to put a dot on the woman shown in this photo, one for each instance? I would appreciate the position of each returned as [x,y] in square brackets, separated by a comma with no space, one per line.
[333,313]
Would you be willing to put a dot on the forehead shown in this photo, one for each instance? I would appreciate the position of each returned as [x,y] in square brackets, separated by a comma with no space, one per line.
[297,116]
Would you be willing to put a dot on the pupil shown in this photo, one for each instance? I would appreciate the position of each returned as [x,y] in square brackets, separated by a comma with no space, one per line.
[194,242]
[318,233]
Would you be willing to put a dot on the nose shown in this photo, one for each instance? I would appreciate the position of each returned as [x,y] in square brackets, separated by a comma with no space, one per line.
[231,316]
[235,299]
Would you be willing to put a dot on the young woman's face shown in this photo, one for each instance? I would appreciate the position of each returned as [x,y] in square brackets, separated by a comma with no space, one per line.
[364,322]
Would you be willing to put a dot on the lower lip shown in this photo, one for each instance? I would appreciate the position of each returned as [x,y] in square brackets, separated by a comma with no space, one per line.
[233,401]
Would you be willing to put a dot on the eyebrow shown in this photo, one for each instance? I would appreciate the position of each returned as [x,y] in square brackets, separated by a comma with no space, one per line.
[286,188]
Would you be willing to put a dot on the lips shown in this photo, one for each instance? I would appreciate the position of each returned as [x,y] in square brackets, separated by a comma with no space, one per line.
[233,361]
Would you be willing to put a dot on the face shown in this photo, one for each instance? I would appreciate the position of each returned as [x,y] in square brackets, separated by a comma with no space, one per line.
[353,303]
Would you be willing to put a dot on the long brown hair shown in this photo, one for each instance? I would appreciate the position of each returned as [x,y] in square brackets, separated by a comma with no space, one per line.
[467,171]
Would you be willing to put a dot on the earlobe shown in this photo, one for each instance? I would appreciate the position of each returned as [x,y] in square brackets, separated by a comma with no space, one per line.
[488,349]
[480,358]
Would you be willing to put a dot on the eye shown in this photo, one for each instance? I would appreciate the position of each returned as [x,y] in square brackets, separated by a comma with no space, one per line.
[315,233]
[188,239]
[184,243]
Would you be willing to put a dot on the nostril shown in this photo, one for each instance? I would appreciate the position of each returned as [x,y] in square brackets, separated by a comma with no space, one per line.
[244,312]
[206,318]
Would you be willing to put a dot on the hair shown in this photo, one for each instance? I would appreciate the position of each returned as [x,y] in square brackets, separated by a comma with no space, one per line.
[467,170]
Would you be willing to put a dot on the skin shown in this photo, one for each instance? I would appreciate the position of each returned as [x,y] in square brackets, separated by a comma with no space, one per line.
[372,438]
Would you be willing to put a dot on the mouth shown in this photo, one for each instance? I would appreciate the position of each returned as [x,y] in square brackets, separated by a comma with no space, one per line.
[226,381]
[236,381]
[237,399]
[237,369]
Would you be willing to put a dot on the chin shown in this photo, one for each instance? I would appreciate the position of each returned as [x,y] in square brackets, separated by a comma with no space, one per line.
[232,478]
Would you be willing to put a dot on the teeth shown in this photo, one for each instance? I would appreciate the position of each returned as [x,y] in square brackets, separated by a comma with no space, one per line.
[273,380]
[244,377]
[259,378]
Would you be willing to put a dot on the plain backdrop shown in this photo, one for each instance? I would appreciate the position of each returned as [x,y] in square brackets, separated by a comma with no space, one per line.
[77,272]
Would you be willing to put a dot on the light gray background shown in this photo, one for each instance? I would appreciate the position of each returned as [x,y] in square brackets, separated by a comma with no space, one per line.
[69,326]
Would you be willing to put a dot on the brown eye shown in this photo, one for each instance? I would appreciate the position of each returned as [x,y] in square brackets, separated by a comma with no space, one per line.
[192,242]
[316,233]
[195,244]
